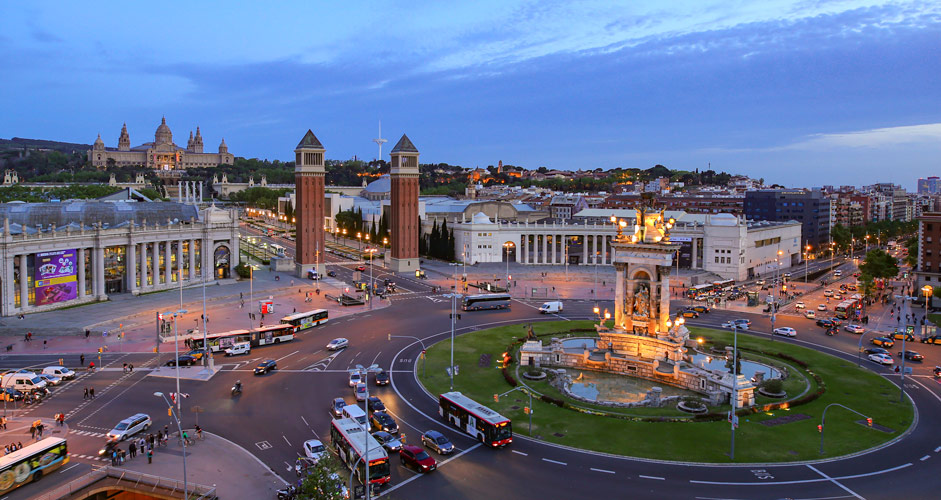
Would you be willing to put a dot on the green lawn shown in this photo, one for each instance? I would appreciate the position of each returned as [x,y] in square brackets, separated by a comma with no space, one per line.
[693,441]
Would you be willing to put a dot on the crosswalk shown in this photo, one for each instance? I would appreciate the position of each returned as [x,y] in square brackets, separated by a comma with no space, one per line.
[88,433]
[87,457]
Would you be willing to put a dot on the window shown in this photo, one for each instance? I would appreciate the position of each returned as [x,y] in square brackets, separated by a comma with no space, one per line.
[717,260]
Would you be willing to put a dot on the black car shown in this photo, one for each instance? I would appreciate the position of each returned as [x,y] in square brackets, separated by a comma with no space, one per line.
[266,366]
[375,404]
[912,356]
[11,394]
[336,407]
[383,422]
[382,378]
[184,360]
[877,350]
[826,323]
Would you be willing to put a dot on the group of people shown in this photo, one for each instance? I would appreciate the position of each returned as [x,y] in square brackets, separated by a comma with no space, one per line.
[144,445]
[36,429]
[10,448]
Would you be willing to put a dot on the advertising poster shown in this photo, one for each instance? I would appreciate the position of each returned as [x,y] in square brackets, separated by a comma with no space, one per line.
[55,274]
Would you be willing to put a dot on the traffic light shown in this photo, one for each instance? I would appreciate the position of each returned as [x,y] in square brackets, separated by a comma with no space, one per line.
[390,336]
[99,350]
[169,412]
[820,428]
[159,316]
[496,398]
[526,410]
[869,421]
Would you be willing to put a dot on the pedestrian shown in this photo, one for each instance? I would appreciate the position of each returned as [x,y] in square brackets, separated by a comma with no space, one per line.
[44,344]
[26,337]
[3,423]
[91,392]
[32,431]
[132,450]
[150,455]
[125,364]
[87,333]
[295,309]
[114,457]
[39,429]
[91,366]
[81,360]
[130,367]
[86,394]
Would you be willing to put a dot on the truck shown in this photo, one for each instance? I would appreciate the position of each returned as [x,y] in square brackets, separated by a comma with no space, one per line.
[551,307]
[25,381]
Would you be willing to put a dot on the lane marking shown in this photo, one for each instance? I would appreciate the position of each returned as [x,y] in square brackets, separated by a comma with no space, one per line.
[653,477]
[936,450]
[834,481]
[286,440]
[602,470]
[520,453]
[926,457]
[416,476]
[69,468]
[286,355]
[553,461]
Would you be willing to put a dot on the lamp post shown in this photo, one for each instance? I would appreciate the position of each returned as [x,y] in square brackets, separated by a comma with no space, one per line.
[806,259]
[507,247]
[180,429]
[732,417]
[867,242]
[359,241]
[372,285]
[927,290]
[251,288]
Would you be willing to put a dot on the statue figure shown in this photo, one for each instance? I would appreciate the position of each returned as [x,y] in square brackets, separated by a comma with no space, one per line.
[641,301]
[530,335]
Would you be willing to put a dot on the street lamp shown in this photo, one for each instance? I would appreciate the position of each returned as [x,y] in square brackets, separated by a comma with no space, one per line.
[806,257]
[359,237]
[372,285]
[179,428]
[507,246]
[927,291]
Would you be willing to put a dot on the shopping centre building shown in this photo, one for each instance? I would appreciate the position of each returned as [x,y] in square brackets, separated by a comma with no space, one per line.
[62,254]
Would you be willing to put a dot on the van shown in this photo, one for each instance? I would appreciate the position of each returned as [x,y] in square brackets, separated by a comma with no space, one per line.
[355,412]
[130,426]
[59,371]
[239,348]
[313,275]
[24,381]
[551,307]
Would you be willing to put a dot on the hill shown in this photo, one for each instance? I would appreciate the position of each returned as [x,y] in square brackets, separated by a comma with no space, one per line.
[17,143]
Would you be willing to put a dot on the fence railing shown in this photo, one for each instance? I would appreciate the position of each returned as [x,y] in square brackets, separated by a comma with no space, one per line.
[138,479]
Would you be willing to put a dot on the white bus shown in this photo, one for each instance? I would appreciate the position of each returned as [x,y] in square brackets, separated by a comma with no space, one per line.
[31,463]
[304,320]
[277,249]
[351,442]
[486,301]
[482,423]
[257,337]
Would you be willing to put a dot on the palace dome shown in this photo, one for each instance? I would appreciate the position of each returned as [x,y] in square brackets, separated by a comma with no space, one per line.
[163,134]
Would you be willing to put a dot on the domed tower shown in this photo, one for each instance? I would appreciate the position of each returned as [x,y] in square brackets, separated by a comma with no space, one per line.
[99,144]
[124,142]
[198,142]
[309,173]
[223,149]
[404,191]
[163,134]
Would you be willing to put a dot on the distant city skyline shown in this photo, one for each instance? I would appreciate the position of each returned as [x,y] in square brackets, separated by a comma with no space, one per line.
[797,93]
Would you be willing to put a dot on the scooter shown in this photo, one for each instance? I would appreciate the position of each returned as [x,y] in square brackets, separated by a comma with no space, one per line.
[937,372]
[236,390]
[287,493]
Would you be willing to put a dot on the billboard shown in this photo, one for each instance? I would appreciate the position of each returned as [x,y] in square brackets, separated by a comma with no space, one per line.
[55,274]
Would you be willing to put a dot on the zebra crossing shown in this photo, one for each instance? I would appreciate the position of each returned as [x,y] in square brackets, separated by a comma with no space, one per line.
[88,433]
[87,457]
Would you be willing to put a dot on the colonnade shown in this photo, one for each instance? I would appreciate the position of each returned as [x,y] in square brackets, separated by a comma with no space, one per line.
[556,248]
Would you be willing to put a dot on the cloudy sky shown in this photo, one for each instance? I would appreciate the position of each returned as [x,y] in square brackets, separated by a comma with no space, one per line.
[798,92]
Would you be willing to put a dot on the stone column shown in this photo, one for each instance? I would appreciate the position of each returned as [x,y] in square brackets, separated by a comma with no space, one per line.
[552,244]
[155,262]
[192,258]
[179,258]
[168,252]
[81,273]
[543,258]
[99,279]
[692,264]
[604,249]
[24,283]
[9,292]
[619,291]
[525,248]
[584,249]
[143,265]
[131,267]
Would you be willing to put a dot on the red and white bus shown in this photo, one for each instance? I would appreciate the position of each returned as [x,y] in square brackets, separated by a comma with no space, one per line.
[304,320]
[354,445]
[482,423]
[257,337]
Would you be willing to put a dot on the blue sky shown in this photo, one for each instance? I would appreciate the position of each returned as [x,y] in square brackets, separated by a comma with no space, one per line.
[798,92]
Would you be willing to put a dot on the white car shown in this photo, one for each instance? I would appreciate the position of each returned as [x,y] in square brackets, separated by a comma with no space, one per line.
[882,359]
[837,296]
[360,391]
[59,371]
[314,450]
[799,305]
[822,307]
[838,273]
[355,378]
[337,344]
[785,331]
[740,324]
[854,328]
[828,293]
[810,315]
[50,379]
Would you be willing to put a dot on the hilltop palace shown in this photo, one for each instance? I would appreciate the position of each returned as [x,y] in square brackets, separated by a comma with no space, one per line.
[162,154]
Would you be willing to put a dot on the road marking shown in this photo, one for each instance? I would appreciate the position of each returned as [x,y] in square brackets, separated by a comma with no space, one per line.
[834,481]
[286,440]
[374,359]
[416,476]
[652,477]
[926,457]
[553,461]
[69,468]
[602,470]
[286,355]
[520,453]
[929,392]
[936,450]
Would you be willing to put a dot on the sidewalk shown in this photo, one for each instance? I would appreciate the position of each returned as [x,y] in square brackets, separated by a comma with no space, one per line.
[63,330]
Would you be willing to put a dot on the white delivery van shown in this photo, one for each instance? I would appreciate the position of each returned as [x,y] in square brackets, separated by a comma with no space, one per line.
[23,381]
[240,348]
[355,412]
[551,307]
[59,371]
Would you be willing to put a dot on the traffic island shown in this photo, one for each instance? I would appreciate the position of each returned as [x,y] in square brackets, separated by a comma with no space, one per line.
[816,380]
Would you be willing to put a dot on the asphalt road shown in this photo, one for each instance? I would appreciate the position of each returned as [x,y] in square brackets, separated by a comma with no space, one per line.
[277,412]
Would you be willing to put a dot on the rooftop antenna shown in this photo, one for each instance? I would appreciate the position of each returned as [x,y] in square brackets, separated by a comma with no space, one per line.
[379,140]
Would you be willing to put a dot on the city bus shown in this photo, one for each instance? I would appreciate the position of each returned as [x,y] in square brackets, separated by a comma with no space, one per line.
[486,301]
[352,443]
[471,417]
[697,290]
[724,285]
[304,320]
[257,337]
[32,462]
[847,309]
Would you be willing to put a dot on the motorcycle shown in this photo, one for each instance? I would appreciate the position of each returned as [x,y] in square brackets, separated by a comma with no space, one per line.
[287,493]
[236,390]
[110,445]
[937,372]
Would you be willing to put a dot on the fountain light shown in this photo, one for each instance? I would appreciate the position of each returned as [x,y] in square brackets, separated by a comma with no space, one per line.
[669,324]
[700,340]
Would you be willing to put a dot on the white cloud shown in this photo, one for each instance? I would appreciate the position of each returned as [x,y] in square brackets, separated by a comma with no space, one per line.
[929,133]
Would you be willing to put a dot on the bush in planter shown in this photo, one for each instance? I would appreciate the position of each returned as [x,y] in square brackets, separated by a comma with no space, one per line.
[243,271]
[773,386]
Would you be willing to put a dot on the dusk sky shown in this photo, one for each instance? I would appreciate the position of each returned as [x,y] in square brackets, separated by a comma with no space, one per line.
[803,93]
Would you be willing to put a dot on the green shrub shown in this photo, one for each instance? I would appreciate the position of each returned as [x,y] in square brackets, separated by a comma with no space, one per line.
[773,386]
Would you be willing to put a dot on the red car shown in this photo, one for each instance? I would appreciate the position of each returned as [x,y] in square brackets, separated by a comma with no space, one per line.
[417,458]
[361,268]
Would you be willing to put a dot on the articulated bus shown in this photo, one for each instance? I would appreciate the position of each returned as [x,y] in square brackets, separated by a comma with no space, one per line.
[724,285]
[305,320]
[695,291]
[31,463]
[257,337]
[486,301]
[482,423]
[847,309]
[352,442]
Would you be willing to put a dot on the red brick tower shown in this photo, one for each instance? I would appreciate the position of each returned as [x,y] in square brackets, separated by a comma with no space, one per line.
[404,223]
[309,212]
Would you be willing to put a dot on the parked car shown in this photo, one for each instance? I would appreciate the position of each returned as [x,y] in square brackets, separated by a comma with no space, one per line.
[810,314]
[336,407]
[381,421]
[853,328]
[936,339]
[882,359]
[375,404]
[337,344]
[897,335]
[825,323]
[911,355]
[417,458]
[785,331]
[883,342]
[355,378]
[314,450]
[183,360]
[388,441]
[266,366]
[382,378]
[438,442]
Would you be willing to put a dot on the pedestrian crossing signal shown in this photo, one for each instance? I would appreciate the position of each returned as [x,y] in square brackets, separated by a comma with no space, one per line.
[869,421]
[496,398]
[99,350]
[820,428]
[526,410]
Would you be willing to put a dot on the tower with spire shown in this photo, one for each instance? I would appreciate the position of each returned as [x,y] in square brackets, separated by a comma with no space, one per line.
[124,142]
[223,149]
[404,193]
[309,173]
[198,142]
